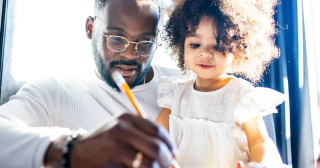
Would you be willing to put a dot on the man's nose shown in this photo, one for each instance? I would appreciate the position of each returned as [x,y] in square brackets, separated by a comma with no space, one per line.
[130,52]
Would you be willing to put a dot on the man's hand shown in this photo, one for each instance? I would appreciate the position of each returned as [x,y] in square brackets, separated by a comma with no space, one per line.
[117,143]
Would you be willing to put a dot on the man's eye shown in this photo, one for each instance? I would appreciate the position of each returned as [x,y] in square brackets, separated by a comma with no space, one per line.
[194,45]
[116,38]
[146,43]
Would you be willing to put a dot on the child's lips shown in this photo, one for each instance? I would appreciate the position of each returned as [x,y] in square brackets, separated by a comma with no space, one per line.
[205,66]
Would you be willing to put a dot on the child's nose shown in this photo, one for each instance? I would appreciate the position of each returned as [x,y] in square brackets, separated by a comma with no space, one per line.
[206,54]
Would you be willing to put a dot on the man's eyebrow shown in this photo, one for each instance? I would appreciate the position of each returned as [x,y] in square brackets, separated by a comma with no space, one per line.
[115,28]
[148,34]
[123,31]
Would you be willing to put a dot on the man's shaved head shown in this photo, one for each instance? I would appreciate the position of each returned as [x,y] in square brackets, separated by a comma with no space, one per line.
[99,4]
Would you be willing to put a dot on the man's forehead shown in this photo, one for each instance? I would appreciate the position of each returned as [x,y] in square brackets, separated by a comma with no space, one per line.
[130,15]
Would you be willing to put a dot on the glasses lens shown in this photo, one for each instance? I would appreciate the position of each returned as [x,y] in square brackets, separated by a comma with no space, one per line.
[146,48]
[117,44]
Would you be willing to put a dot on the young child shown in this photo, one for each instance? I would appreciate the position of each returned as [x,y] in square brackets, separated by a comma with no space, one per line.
[216,118]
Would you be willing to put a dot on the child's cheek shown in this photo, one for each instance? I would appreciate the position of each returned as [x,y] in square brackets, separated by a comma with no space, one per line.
[190,51]
[188,59]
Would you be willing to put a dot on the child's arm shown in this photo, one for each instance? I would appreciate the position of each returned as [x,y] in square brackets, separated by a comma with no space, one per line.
[261,147]
[163,118]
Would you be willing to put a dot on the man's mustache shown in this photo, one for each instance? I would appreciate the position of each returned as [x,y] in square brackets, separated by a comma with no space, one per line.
[122,62]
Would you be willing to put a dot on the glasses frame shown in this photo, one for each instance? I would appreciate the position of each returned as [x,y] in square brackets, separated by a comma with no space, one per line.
[136,44]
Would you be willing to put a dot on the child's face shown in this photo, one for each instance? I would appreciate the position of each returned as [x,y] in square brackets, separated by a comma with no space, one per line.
[200,55]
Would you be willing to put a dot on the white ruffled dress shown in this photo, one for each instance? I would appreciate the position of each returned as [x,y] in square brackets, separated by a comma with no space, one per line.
[207,126]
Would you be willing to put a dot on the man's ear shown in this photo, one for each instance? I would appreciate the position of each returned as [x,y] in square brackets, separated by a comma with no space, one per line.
[89,27]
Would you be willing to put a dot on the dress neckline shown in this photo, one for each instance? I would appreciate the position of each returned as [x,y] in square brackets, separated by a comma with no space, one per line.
[212,92]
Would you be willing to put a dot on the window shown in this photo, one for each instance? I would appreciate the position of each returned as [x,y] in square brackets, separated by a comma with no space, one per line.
[310,44]
[45,38]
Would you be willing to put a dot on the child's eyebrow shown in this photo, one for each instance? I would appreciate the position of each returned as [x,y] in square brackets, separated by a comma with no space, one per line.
[193,34]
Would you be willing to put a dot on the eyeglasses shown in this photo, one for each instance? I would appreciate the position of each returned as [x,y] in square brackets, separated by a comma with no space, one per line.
[119,44]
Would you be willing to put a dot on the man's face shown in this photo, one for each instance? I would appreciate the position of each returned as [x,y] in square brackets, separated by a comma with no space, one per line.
[129,19]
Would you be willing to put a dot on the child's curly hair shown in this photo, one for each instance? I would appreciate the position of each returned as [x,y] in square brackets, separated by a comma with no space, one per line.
[245,27]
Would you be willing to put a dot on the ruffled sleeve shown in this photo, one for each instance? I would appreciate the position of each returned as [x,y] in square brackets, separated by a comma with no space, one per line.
[257,101]
[166,91]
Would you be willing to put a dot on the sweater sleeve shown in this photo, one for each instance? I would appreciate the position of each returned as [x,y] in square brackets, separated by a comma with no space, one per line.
[25,122]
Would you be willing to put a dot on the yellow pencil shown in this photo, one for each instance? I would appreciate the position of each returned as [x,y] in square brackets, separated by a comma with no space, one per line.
[125,89]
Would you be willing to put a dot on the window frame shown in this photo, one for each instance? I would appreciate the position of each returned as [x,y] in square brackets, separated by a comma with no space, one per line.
[3,12]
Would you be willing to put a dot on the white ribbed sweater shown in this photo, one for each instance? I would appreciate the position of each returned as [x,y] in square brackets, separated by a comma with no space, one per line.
[43,110]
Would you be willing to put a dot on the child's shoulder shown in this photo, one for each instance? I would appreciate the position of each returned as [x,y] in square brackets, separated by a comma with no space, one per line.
[242,84]
[247,91]
[172,84]
[175,82]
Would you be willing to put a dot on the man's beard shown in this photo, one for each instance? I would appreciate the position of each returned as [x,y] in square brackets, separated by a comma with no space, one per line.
[105,74]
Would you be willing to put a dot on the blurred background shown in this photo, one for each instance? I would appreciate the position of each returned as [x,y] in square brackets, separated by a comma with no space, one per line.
[47,38]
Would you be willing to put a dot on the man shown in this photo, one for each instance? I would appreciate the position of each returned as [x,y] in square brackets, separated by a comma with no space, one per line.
[36,123]
[33,123]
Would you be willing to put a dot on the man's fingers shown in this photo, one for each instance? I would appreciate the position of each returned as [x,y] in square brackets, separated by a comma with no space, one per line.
[131,157]
[150,146]
[152,129]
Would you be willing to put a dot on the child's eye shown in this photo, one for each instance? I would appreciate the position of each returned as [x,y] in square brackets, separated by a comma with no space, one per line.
[219,48]
[194,45]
